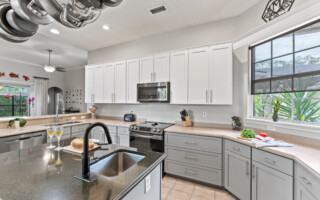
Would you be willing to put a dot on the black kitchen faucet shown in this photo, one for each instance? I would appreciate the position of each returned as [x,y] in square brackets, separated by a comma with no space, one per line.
[86,176]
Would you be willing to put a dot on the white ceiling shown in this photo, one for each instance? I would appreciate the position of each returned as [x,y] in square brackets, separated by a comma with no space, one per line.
[132,20]
[34,52]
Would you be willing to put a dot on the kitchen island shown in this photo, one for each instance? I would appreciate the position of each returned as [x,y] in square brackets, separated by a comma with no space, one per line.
[40,173]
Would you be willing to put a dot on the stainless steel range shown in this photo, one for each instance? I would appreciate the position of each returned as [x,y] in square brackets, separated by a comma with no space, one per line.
[148,136]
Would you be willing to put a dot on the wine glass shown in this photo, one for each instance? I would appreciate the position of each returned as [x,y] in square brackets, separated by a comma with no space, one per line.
[50,132]
[58,132]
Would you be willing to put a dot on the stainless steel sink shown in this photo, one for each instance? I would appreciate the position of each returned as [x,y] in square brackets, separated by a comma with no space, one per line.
[63,123]
[116,163]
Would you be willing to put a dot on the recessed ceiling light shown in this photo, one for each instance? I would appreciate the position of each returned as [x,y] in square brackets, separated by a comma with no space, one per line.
[55,31]
[105,27]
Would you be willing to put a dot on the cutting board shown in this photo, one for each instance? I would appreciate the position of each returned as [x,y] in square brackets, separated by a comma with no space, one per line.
[248,139]
[70,149]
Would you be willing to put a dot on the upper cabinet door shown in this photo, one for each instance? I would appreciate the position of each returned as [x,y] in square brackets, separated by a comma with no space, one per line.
[89,85]
[198,75]
[120,82]
[108,75]
[179,77]
[221,74]
[97,85]
[161,68]
[133,78]
[146,69]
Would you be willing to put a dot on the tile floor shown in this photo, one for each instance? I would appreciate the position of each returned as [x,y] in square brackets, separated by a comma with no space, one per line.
[178,189]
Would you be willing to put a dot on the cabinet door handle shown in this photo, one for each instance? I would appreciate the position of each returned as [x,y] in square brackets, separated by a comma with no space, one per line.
[269,161]
[190,172]
[305,180]
[151,77]
[114,97]
[191,157]
[248,173]
[154,77]
[253,171]
[211,96]
[206,96]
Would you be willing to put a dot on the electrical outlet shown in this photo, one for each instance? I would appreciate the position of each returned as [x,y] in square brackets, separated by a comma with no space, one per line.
[73,118]
[83,117]
[204,114]
[271,128]
[148,183]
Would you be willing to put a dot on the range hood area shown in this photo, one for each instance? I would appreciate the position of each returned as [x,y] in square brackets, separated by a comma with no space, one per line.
[20,19]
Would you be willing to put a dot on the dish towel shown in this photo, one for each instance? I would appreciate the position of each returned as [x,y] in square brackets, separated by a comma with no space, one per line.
[270,143]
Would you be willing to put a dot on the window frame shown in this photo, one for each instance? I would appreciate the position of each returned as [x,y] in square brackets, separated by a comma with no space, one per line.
[13,105]
[293,75]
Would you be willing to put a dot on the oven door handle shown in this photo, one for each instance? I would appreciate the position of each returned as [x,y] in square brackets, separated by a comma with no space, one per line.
[146,137]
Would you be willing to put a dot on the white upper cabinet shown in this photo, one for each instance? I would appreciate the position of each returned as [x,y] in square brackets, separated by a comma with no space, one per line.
[221,75]
[198,76]
[146,69]
[133,78]
[120,82]
[179,77]
[97,83]
[161,68]
[108,86]
[89,85]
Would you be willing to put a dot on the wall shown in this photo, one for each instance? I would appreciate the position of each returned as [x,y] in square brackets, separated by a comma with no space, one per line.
[232,29]
[74,79]
[56,79]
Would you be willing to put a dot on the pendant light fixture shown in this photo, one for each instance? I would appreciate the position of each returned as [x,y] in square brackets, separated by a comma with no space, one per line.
[49,68]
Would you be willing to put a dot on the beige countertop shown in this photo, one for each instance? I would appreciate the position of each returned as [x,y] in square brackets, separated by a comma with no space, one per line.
[309,157]
[35,128]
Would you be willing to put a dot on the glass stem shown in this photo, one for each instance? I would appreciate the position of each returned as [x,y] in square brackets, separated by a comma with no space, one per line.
[59,142]
[50,141]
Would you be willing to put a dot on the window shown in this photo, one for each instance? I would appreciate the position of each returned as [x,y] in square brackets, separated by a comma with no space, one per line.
[13,101]
[288,68]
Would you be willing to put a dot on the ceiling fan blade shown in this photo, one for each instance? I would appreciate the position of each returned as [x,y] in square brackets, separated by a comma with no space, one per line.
[60,69]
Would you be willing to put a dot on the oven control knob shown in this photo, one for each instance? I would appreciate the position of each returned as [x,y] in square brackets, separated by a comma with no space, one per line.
[154,130]
[135,128]
[158,130]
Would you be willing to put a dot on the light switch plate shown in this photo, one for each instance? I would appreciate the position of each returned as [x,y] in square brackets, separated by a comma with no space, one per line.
[148,183]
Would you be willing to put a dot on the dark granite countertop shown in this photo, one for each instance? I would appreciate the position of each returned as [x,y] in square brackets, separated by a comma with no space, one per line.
[36,174]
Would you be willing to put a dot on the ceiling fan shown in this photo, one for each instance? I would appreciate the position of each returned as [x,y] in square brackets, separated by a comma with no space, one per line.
[50,68]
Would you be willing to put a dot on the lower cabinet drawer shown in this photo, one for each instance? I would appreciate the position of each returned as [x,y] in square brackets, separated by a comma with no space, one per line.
[308,180]
[279,163]
[80,128]
[210,160]
[194,142]
[206,175]
[112,129]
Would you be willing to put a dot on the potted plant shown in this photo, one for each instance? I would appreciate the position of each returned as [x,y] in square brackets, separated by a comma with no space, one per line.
[18,122]
[276,108]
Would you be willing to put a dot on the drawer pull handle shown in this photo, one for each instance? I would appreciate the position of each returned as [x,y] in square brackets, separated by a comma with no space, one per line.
[271,162]
[187,142]
[305,180]
[237,149]
[248,173]
[190,172]
[191,157]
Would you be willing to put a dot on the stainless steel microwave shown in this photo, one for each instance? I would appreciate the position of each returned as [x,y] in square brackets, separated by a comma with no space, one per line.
[153,92]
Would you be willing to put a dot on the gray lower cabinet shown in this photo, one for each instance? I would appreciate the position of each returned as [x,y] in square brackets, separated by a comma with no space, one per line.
[307,185]
[303,193]
[194,157]
[237,175]
[139,192]
[269,183]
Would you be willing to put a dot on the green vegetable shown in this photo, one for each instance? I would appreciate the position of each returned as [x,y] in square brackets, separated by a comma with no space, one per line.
[247,133]
[22,122]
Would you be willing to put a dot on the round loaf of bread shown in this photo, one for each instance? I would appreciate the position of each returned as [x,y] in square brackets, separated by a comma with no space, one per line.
[78,143]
